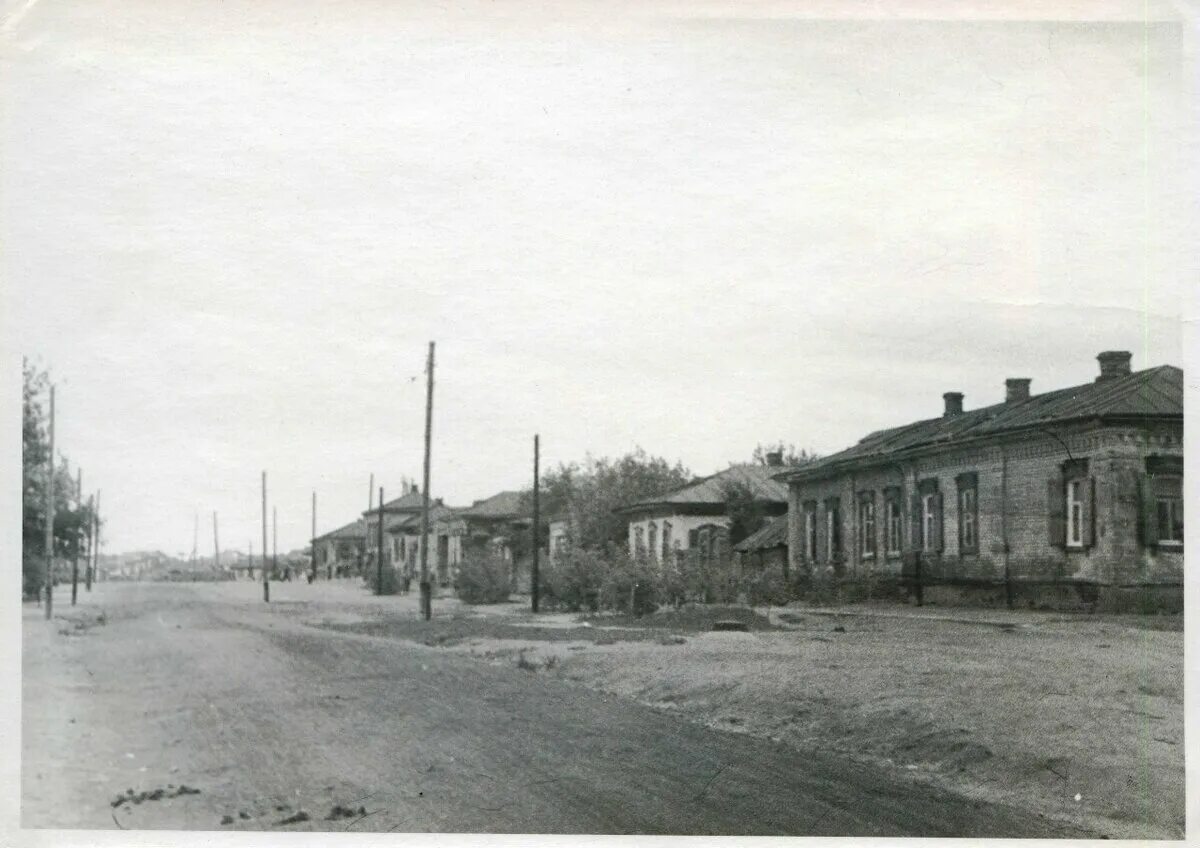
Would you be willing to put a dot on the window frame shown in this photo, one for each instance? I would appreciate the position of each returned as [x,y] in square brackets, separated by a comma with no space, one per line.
[810,531]
[893,508]
[867,541]
[928,521]
[833,530]
[1074,493]
[968,513]
[1174,504]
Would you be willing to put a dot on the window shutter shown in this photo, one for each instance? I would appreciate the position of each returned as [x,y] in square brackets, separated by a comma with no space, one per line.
[1056,512]
[939,541]
[1088,531]
[1147,512]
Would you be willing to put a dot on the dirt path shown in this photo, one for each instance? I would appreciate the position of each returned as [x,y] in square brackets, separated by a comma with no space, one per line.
[267,717]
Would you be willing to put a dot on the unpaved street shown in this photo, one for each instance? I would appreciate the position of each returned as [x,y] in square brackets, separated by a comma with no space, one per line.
[276,722]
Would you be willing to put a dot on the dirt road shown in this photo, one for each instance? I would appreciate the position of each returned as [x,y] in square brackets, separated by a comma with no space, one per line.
[269,718]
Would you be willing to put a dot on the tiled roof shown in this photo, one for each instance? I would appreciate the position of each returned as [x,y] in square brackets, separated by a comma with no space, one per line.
[353,530]
[711,490]
[502,505]
[1154,393]
[773,534]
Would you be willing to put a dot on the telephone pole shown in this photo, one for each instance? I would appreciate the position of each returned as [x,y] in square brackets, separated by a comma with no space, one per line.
[216,545]
[50,516]
[533,572]
[78,537]
[362,560]
[313,543]
[95,574]
[274,540]
[426,588]
[266,585]
[91,545]
[379,553]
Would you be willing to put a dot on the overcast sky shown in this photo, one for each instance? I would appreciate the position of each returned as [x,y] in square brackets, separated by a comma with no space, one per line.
[232,228]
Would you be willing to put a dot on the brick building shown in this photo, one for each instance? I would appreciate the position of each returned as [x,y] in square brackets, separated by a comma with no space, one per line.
[1068,495]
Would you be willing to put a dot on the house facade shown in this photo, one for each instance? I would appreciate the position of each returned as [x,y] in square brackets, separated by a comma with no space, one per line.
[339,552]
[694,516]
[1079,487]
[486,527]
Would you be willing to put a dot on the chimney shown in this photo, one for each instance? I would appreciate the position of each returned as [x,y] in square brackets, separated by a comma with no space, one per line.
[1016,389]
[953,404]
[1113,364]
[774,458]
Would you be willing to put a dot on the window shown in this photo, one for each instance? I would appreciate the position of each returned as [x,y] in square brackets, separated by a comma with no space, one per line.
[1075,513]
[928,516]
[833,529]
[666,540]
[639,538]
[928,520]
[810,531]
[968,513]
[1170,520]
[895,537]
[866,524]
[653,540]
[1161,520]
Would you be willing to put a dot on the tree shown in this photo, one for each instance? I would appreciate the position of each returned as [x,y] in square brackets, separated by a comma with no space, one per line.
[791,455]
[588,493]
[72,519]
[746,513]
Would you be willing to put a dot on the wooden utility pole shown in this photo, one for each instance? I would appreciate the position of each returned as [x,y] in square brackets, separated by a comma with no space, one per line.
[216,545]
[313,543]
[78,537]
[362,559]
[266,584]
[426,588]
[379,553]
[274,540]
[533,572]
[91,543]
[50,515]
[250,560]
[95,572]
[195,537]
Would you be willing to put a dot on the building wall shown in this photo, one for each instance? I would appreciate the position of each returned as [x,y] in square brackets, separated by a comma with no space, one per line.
[1014,504]
[681,527]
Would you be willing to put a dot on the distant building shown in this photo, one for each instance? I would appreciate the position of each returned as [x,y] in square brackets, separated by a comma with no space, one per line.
[341,549]
[489,527]
[1079,486]
[694,516]
[766,549]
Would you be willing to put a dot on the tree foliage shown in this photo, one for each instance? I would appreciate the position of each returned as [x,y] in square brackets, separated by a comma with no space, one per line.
[746,513]
[791,454]
[72,515]
[588,493]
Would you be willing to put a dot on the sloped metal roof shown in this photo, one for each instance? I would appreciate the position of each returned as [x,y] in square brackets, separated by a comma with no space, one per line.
[502,505]
[353,530]
[773,534]
[1151,393]
[711,490]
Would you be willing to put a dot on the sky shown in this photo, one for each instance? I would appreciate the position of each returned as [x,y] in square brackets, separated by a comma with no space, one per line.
[231,230]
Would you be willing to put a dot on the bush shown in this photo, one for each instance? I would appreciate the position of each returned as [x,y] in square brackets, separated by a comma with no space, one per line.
[483,579]
[574,578]
[391,580]
[631,583]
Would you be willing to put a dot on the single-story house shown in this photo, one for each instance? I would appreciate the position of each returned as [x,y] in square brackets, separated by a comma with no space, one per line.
[765,549]
[694,516]
[490,526]
[404,536]
[1080,487]
[340,551]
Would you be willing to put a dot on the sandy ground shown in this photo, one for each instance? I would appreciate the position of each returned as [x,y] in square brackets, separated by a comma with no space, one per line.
[1072,717]
[331,697]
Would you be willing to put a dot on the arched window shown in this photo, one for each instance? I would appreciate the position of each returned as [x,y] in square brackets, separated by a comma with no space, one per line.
[666,541]
[653,540]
